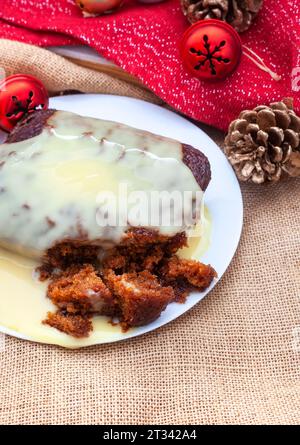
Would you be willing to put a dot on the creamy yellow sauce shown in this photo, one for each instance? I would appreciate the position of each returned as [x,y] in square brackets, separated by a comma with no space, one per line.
[199,240]
[23,302]
[23,306]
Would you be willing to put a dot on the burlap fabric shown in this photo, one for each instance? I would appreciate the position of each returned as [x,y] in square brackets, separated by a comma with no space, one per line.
[234,358]
[58,74]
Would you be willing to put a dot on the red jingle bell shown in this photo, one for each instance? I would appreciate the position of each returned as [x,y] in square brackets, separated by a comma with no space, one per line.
[92,8]
[211,50]
[20,94]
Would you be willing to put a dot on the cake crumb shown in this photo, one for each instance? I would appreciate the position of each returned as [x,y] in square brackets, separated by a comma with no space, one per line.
[78,326]
[140,296]
[192,273]
[80,290]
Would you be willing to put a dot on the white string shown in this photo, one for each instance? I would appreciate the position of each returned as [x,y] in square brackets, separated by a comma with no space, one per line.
[261,64]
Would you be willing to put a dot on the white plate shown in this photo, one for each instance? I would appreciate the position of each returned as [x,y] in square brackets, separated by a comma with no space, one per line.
[223,196]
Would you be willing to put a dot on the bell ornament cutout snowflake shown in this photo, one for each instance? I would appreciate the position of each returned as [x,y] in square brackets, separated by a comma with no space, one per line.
[20,94]
[211,50]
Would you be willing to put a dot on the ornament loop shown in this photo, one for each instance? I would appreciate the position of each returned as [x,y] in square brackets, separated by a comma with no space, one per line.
[260,63]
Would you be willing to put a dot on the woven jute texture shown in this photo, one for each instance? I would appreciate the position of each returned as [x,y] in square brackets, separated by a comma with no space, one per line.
[234,358]
[58,74]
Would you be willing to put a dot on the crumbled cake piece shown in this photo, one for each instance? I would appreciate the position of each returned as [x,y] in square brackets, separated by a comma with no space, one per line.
[78,326]
[114,260]
[189,272]
[134,282]
[181,289]
[118,261]
[140,296]
[67,254]
[142,249]
[154,257]
[139,240]
[80,290]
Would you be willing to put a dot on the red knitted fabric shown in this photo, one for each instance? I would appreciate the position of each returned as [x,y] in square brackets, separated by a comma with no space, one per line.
[144,40]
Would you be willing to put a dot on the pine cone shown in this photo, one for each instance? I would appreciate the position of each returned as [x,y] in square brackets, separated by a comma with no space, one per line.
[265,142]
[238,13]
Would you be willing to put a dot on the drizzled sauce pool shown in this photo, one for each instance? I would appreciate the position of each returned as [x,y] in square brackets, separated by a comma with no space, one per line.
[23,302]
